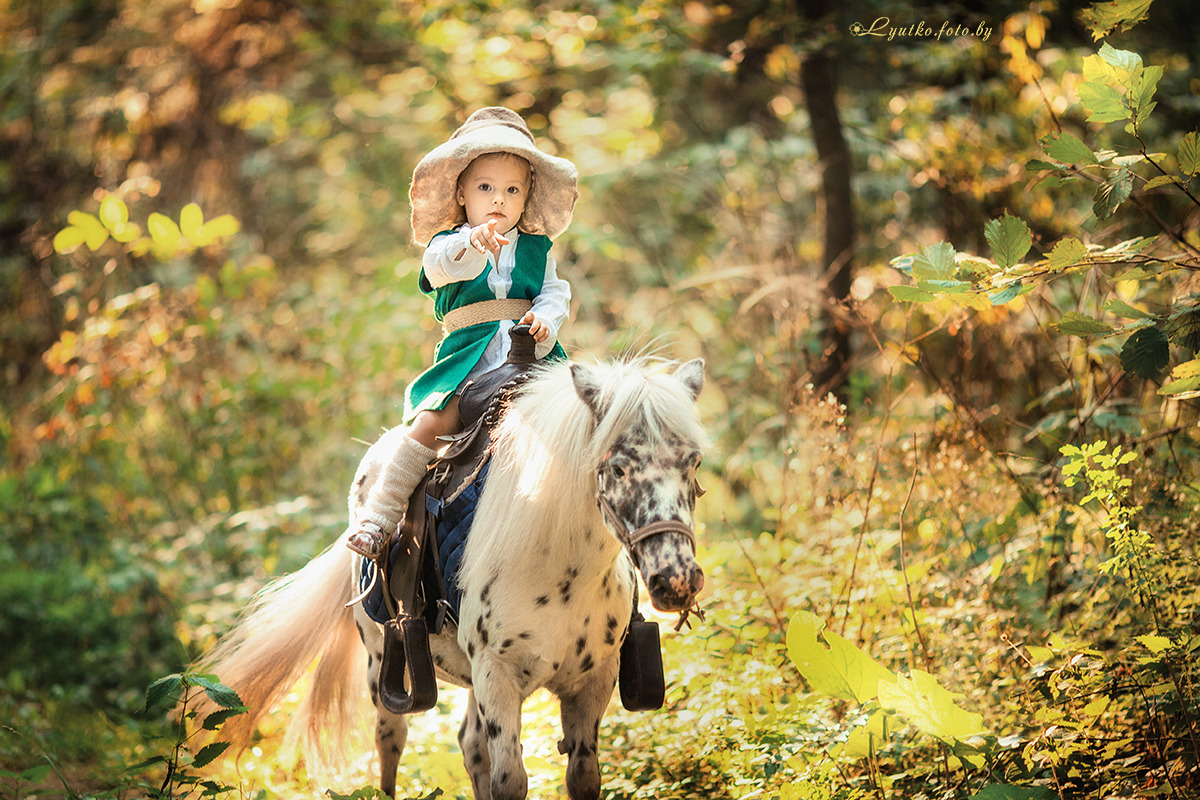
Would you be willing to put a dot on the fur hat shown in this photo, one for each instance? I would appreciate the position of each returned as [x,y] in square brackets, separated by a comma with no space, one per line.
[495,129]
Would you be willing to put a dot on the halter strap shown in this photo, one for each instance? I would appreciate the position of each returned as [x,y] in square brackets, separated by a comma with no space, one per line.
[632,538]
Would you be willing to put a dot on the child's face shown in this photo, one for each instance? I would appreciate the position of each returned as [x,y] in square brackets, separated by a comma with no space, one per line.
[494,186]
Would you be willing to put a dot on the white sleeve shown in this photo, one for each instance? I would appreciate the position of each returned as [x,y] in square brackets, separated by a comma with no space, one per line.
[552,305]
[452,258]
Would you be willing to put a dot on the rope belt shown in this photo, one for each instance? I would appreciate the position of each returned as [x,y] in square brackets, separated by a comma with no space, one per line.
[487,311]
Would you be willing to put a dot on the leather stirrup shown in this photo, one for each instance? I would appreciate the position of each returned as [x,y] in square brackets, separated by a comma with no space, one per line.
[643,687]
[406,644]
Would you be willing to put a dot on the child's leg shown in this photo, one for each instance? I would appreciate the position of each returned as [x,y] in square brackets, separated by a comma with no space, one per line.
[388,498]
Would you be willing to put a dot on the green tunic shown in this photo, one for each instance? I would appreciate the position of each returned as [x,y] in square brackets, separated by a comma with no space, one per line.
[459,351]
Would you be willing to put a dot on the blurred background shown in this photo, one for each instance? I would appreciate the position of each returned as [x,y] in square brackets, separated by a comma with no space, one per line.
[182,414]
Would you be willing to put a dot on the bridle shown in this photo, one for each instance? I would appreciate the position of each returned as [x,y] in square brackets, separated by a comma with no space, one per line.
[631,538]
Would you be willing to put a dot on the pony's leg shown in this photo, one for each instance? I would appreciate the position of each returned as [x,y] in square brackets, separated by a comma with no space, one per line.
[581,715]
[498,700]
[473,743]
[391,730]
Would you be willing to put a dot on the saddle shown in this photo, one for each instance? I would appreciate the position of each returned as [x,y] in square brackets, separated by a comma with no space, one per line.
[420,596]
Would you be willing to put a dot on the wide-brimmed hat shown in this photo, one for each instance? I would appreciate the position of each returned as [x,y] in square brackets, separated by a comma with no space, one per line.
[495,129]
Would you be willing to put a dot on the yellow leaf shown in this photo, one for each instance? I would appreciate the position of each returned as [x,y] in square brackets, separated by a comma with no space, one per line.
[68,238]
[1096,707]
[126,232]
[1155,643]
[94,233]
[191,220]
[1039,654]
[113,212]
[222,226]
[164,232]
[923,702]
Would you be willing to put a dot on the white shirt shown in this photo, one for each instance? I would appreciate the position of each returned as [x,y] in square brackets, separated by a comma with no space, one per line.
[452,258]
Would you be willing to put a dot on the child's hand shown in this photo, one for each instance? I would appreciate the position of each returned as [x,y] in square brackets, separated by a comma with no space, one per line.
[538,329]
[485,239]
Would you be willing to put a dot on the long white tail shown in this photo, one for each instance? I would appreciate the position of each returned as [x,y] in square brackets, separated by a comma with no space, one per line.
[294,621]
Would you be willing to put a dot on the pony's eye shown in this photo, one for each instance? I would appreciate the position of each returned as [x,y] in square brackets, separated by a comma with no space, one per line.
[617,472]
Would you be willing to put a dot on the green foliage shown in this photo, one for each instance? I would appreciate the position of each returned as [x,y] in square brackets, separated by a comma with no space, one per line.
[1116,86]
[1132,548]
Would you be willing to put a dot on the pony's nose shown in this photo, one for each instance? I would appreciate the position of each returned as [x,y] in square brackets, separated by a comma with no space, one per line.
[675,589]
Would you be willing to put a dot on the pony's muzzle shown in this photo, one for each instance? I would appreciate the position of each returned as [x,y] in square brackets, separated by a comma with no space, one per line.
[674,588]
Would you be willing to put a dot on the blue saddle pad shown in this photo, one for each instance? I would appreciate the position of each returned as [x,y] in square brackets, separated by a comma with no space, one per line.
[452,521]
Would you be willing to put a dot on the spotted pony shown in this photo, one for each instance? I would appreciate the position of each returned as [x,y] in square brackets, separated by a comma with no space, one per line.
[592,481]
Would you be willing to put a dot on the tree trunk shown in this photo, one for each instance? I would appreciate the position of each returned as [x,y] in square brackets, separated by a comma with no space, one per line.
[818,81]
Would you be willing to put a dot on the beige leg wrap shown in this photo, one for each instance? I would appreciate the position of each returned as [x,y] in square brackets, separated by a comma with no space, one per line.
[388,498]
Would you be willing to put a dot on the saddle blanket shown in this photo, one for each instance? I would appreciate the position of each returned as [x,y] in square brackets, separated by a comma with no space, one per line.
[452,521]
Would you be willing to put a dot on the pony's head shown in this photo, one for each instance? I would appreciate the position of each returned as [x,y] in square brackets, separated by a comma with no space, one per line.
[648,444]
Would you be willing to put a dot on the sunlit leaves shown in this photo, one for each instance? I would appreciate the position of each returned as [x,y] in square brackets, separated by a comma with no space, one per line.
[831,664]
[1146,353]
[167,237]
[934,263]
[164,233]
[1154,643]
[1103,102]
[1185,381]
[1102,18]
[1009,238]
[1067,253]
[82,228]
[921,701]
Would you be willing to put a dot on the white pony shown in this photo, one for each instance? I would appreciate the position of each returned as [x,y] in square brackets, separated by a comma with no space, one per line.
[593,472]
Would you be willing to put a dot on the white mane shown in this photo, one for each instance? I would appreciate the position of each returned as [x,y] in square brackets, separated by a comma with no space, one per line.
[540,497]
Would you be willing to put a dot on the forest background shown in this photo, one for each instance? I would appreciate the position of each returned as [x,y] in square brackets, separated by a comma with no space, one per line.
[970,571]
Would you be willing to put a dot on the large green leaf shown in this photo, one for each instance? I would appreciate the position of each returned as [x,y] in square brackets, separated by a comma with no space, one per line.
[1068,149]
[934,263]
[1146,353]
[830,663]
[924,703]
[1103,102]
[1009,238]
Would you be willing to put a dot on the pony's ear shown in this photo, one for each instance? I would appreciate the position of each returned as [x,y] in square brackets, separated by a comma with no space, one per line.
[691,375]
[587,387]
